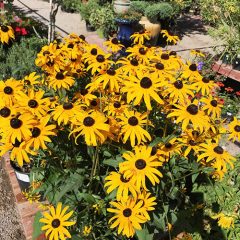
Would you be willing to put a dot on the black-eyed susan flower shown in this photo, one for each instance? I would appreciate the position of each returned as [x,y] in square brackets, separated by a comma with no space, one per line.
[212,107]
[234,129]
[115,107]
[224,220]
[9,90]
[130,66]
[197,53]
[60,80]
[132,127]
[141,165]
[123,185]
[65,112]
[140,52]
[190,114]
[213,153]
[140,37]
[127,216]
[84,96]
[91,51]
[40,134]
[191,72]
[113,45]
[92,126]
[148,203]
[170,38]
[31,79]
[164,72]
[6,33]
[56,222]
[33,102]
[143,87]
[204,85]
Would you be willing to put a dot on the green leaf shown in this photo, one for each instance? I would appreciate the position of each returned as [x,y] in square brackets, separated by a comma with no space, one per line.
[194,177]
[113,162]
[159,221]
[144,234]
[37,226]
[87,197]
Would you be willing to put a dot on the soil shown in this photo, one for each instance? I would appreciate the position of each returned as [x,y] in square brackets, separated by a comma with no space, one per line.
[10,226]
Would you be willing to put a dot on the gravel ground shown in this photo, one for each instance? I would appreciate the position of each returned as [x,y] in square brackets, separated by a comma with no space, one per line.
[10,228]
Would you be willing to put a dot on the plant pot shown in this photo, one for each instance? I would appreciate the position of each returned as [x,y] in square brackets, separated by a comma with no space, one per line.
[121,6]
[89,27]
[153,28]
[125,29]
[22,178]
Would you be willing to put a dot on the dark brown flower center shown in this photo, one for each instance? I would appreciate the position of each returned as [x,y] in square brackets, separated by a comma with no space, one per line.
[4,28]
[193,67]
[123,179]
[15,123]
[59,76]
[27,82]
[237,128]
[114,41]
[205,80]
[5,112]
[17,143]
[217,121]
[100,58]
[8,90]
[192,143]
[165,56]
[50,63]
[218,150]
[111,72]
[56,223]
[84,92]
[192,109]
[178,84]
[146,83]
[94,51]
[173,53]
[70,45]
[214,103]
[133,121]
[117,104]
[73,59]
[195,133]
[127,212]
[142,51]
[154,151]
[82,37]
[140,164]
[159,66]
[36,132]
[46,53]
[94,103]
[32,103]
[88,121]
[67,106]
[142,31]
[168,145]
[134,62]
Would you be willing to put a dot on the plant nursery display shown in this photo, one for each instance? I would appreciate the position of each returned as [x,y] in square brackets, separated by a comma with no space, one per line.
[120,147]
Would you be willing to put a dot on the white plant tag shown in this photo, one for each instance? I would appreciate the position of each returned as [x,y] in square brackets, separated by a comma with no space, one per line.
[22,177]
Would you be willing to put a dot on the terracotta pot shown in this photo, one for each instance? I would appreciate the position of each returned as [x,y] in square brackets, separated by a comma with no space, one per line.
[121,6]
[153,28]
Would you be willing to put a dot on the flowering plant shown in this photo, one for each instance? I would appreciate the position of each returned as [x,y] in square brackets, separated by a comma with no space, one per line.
[120,140]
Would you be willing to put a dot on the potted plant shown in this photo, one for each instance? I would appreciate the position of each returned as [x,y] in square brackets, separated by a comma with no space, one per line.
[85,9]
[127,24]
[121,6]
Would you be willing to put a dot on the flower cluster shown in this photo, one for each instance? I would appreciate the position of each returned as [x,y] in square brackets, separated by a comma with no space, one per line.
[128,101]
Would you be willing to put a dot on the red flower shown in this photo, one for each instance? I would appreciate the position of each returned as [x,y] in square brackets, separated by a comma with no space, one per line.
[24,31]
[21,31]
[198,95]
[229,89]
[220,84]
[238,93]
[221,100]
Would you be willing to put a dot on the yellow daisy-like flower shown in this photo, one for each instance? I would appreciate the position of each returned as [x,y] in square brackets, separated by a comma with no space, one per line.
[204,85]
[115,107]
[197,53]
[66,112]
[60,80]
[212,107]
[129,67]
[56,221]
[84,96]
[127,216]
[140,37]
[190,114]
[123,185]
[9,90]
[40,134]
[190,72]
[32,79]
[224,221]
[148,203]
[92,126]
[91,51]
[132,127]
[34,102]
[141,164]
[234,129]
[214,153]
[170,38]
[6,34]
[143,86]
[162,71]
[140,52]
[113,45]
